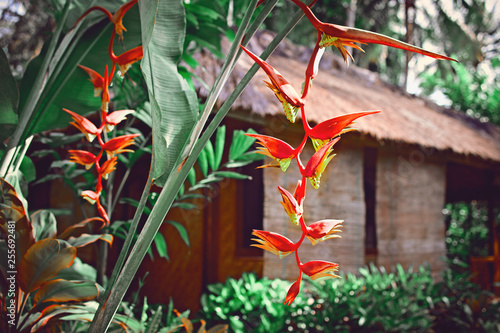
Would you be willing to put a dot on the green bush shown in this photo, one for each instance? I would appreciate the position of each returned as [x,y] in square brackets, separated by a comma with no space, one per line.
[372,301]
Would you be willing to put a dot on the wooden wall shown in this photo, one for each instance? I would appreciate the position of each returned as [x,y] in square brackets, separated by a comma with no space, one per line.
[410,199]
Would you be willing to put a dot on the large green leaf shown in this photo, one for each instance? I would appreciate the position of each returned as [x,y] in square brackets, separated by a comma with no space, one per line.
[65,291]
[44,224]
[9,98]
[86,239]
[78,271]
[43,261]
[173,105]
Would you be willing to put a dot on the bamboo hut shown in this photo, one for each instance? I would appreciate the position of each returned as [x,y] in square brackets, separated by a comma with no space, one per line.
[389,181]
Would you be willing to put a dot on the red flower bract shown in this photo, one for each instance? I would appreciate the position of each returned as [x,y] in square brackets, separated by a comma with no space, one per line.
[273,242]
[293,291]
[277,149]
[318,162]
[283,90]
[82,157]
[117,145]
[323,230]
[84,125]
[329,129]
[292,207]
[319,269]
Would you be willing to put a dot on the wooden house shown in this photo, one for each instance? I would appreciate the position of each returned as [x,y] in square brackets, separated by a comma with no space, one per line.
[389,180]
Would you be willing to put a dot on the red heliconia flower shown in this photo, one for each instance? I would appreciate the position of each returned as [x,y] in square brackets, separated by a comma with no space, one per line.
[117,145]
[108,167]
[323,230]
[277,149]
[116,19]
[102,212]
[96,79]
[91,196]
[340,36]
[319,269]
[82,157]
[114,118]
[292,207]
[273,242]
[325,131]
[293,291]
[84,125]
[126,59]
[318,162]
[283,90]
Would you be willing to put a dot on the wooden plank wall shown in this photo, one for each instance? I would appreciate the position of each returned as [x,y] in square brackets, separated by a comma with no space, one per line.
[410,198]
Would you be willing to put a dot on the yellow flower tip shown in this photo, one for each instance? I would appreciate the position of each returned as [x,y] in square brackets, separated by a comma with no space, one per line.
[105,107]
[124,68]
[90,137]
[108,128]
[97,91]
[291,111]
[318,143]
[284,163]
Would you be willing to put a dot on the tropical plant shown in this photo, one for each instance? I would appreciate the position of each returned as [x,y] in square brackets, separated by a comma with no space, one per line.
[42,274]
[179,129]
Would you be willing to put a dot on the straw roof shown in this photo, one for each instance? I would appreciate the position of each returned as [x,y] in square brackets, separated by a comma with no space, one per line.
[339,89]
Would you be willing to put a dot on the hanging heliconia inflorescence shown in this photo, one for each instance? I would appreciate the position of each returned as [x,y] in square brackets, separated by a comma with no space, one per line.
[109,120]
[323,136]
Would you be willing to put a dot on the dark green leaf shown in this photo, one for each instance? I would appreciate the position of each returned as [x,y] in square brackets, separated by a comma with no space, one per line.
[161,245]
[185,205]
[191,177]
[203,163]
[9,99]
[182,231]
[28,169]
[220,140]
[209,149]
[231,174]
[240,144]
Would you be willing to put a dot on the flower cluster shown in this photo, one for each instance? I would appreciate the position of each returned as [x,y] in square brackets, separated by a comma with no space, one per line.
[109,120]
[323,136]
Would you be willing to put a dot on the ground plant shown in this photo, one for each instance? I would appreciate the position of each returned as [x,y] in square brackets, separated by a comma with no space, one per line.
[54,91]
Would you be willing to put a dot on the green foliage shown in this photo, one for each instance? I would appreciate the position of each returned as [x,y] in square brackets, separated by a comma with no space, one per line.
[43,263]
[249,304]
[473,91]
[372,301]
[467,234]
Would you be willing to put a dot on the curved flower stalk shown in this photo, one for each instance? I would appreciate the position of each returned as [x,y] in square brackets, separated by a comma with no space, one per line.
[323,136]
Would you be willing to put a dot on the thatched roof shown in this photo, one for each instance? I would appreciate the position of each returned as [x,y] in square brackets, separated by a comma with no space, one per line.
[339,90]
